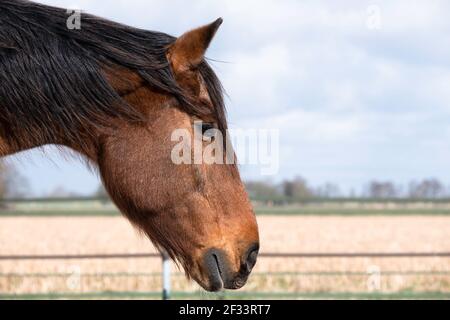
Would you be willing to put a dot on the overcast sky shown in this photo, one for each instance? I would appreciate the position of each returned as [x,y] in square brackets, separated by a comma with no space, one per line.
[358,90]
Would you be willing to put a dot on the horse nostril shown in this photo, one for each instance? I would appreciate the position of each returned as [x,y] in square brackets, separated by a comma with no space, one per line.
[251,258]
[216,267]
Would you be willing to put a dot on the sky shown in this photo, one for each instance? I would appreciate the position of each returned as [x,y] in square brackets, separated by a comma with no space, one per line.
[358,90]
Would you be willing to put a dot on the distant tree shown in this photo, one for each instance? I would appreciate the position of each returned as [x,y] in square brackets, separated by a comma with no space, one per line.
[297,189]
[62,192]
[427,189]
[101,192]
[3,181]
[263,191]
[328,190]
[12,184]
[382,190]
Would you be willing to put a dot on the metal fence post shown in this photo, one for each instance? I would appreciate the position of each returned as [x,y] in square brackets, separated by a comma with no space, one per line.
[166,276]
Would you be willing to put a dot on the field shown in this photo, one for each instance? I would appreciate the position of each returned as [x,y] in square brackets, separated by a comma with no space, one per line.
[281,277]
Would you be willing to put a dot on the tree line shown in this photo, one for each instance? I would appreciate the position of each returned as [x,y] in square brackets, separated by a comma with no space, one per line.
[299,190]
[13,185]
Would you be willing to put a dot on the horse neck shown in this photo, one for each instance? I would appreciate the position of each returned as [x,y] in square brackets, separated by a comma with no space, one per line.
[12,142]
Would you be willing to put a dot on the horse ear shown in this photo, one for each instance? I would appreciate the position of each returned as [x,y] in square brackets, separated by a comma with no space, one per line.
[189,50]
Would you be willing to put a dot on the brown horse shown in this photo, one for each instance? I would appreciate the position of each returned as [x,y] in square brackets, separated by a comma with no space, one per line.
[115,94]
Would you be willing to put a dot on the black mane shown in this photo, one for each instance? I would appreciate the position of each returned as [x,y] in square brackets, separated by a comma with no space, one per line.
[52,79]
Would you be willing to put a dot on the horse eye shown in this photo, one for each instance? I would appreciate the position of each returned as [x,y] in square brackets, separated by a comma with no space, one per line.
[208,130]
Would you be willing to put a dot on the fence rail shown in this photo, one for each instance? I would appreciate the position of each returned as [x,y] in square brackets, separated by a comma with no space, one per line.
[262,255]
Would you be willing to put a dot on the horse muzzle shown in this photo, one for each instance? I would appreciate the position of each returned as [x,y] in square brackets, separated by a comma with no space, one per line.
[222,275]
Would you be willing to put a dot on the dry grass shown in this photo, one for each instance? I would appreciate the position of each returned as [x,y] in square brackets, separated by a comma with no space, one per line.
[84,235]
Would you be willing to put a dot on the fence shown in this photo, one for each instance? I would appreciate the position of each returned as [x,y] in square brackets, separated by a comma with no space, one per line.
[166,277]
[437,277]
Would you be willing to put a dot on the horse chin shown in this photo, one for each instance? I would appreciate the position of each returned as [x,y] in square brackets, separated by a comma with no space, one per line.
[214,285]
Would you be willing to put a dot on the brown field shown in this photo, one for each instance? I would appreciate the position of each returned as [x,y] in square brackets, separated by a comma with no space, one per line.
[91,235]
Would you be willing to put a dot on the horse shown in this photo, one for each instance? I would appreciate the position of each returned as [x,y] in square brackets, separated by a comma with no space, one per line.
[114,94]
